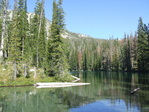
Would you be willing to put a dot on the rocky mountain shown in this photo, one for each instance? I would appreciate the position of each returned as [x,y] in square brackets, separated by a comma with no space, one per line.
[66,33]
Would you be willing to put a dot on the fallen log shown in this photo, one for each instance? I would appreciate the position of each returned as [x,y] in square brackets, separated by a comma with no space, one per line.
[134,91]
[77,79]
[58,84]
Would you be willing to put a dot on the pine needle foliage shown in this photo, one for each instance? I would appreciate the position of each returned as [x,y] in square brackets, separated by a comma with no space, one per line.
[56,59]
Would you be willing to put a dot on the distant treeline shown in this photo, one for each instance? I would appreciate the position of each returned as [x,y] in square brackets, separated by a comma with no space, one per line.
[128,54]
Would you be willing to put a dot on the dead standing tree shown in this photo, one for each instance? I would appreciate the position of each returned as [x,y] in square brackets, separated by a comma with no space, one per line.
[4,6]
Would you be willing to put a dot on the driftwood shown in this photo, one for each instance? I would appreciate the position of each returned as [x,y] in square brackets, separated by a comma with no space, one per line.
[134,91]
[77,79]
[58,84]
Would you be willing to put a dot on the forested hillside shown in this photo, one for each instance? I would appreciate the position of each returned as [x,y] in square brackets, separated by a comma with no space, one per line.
[128,54]
[30,41]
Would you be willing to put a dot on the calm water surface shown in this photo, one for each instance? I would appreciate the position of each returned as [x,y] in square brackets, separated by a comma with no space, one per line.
[108,92]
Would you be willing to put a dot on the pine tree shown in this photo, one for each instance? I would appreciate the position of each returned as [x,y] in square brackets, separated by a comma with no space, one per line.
[133,51]
[22,24]
[146,47]
[13,36]
[19,31]
[143,46]
[14,41]
[38,35]
[0,26]
[56,58]
[42,36]
[128,61]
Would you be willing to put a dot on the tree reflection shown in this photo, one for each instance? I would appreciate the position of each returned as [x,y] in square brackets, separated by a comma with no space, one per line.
[116,86]
[113,87]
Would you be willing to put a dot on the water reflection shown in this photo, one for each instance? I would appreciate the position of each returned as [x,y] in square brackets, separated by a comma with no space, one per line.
[116,86]
[109,91]
[30,100]
[105,106]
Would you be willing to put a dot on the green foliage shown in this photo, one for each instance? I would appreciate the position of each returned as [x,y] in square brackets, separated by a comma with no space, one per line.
[0,27]
[65,78]
[27,44]
[96,54]
[6,78]
[14,41]
[143,46]
[38,35]
[29,47]
[19,28]
[56,59]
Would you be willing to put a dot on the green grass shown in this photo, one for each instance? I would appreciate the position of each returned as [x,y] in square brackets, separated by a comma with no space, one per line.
[6,77]
[21,81]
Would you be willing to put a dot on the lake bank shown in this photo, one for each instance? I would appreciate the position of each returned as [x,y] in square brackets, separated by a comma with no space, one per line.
[22,82]
[27,76]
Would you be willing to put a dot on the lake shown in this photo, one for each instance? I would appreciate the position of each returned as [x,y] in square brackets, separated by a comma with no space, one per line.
[108,92]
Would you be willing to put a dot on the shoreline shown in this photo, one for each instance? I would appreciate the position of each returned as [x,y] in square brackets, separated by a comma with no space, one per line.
[27,85]
[19,85]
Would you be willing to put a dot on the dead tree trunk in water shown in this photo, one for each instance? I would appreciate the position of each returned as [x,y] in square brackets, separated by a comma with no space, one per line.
[134,91]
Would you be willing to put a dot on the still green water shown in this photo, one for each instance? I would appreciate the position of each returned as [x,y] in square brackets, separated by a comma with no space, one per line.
[108,92]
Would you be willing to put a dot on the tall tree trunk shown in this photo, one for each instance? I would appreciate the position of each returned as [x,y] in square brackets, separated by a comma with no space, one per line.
[25,70]
[15,70]
[39,29]
[35,72]
[4,3]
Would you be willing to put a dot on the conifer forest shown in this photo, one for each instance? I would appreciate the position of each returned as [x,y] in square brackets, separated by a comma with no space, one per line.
[26,42]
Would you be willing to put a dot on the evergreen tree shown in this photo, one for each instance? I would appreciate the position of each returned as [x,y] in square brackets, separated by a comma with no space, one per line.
[143,46]
[146,47]
[115,55]
[19,30]
[128,61]
[15,41]
[56,58]
[73,55]
[133,44]
[38,35]
[125,54]
[42,36]
[0,26]
[22,24]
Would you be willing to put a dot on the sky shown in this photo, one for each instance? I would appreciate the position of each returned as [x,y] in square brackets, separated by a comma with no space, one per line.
[102,19]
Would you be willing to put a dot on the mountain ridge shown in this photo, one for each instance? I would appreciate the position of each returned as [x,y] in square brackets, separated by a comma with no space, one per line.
[65,34]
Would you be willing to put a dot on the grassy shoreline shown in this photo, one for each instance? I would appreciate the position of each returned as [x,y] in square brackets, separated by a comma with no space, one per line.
[7,80]
[21,82]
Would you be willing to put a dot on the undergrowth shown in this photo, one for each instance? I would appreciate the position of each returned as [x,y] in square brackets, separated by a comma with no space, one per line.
[7,76]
